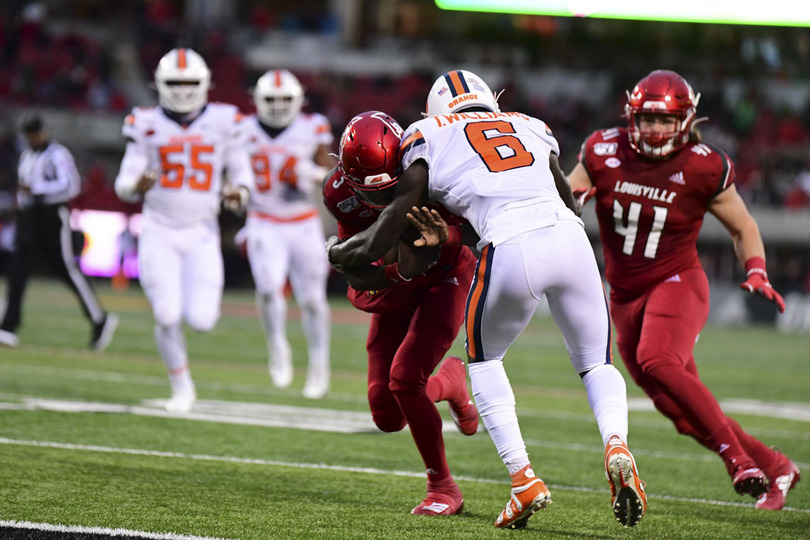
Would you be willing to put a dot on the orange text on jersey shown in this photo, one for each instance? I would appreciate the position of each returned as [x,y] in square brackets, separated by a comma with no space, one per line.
[175,139]
[447,119]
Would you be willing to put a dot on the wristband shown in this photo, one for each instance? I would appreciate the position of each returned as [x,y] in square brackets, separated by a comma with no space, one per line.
[454,234]
[393,275]
[755,265]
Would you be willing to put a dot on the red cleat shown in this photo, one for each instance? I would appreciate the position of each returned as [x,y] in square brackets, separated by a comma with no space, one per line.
[462,409]
[440,504]
[783,477]
[748,479]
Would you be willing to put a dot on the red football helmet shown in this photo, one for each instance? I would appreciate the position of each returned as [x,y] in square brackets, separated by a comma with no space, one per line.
[369,156]
[666,93]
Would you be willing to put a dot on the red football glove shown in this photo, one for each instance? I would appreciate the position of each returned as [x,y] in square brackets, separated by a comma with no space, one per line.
[583,195]
[757,282]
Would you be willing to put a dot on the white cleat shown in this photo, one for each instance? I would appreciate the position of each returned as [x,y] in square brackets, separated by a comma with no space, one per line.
[316,387]
[9,339]
[182,402]
[281,372]
[103,332]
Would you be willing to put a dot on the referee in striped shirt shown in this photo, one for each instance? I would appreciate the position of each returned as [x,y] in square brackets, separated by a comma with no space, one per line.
[47,181]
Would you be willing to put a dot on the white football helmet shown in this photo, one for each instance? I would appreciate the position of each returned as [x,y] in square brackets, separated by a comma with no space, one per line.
[182,79]
[458,90]
[279,97]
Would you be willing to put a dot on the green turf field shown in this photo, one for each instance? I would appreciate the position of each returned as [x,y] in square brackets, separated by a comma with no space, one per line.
[83,440]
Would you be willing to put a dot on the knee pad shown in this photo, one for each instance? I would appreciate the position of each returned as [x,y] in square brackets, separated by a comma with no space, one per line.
[405,378]
[202,322]
[166,315]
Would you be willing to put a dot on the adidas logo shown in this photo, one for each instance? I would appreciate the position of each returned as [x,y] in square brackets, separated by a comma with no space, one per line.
[452,281]
[674,279]
[723,448]
[783,482]
[677,178]
[436,507]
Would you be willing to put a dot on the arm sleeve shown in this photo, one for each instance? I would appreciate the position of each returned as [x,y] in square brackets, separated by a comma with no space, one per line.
[61,176]
[133,166]
[237,160]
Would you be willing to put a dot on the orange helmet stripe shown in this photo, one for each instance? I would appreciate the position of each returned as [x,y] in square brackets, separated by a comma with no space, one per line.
[278,78]
[455,80]
[181,58]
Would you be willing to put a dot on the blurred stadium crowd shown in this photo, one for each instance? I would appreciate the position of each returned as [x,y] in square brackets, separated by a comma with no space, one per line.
[85,63]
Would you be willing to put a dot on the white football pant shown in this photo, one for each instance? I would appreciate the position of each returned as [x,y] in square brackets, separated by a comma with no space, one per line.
[182,275]
[278,251]
[557,262]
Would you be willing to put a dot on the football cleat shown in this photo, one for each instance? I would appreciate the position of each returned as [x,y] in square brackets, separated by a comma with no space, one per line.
[317,384]
[748,479]
[103,332]
[281,371]
[529,494]
[182,401]
[440,504]
[9,339]
[462,410]
[628,499]
[783,478]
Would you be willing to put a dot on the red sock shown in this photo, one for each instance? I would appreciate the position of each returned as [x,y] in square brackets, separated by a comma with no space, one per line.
[426,428]
[765,458]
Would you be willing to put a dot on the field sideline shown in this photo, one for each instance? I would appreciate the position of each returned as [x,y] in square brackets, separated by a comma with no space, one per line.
[86,450]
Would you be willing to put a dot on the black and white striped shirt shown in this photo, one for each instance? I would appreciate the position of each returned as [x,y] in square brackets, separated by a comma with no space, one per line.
[50,174]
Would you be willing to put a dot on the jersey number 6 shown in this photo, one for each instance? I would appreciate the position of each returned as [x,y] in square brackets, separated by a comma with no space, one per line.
[498,150]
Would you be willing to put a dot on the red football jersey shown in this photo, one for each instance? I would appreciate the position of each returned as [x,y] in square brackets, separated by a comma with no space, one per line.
[353,216]
[650,211]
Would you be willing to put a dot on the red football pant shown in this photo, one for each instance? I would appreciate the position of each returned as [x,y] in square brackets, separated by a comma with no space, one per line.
[404,347]
[656,334]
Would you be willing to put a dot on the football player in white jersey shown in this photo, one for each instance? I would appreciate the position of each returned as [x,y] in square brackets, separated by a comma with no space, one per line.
[500,171]
[289,151]
[175,158]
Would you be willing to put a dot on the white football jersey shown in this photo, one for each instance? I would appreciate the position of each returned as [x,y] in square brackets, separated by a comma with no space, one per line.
[190,161]
[490,168]
[283,165]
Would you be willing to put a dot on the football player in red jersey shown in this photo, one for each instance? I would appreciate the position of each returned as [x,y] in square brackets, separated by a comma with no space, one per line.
[653,183]
[416,297]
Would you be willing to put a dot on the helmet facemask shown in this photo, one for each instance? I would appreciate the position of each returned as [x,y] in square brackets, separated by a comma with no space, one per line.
[658,143]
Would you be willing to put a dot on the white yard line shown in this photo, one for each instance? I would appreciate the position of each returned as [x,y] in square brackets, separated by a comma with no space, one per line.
[115,533]
[226,412]
[337,468]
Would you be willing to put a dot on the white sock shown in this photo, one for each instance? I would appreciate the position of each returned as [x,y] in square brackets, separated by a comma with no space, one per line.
[607,396]
[171,345]
[273,313]
[496,406]
[315,323]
